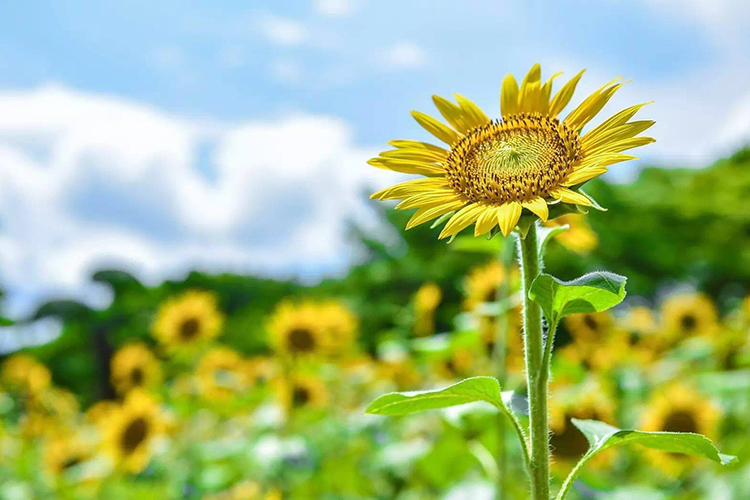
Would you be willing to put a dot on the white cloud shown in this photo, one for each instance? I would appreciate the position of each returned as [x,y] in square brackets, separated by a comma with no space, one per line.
[282,31]
[89,180]
[403,55]
[335,8]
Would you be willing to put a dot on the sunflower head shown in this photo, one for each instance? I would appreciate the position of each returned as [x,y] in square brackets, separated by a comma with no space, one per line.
[134,366]
[426,301]
[302,329]
[25,374]
[527,160]
[222,374]
[590,327]
[687,315]
[301,390]
[481,284]
[130,430]
[187,321]
[65,452]
[678,408]
[579,237]
[592,403]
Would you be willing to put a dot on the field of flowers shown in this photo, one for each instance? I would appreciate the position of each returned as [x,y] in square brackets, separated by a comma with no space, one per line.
[193,414]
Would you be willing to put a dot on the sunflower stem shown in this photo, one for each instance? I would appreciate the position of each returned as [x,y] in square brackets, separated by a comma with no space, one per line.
[536,373]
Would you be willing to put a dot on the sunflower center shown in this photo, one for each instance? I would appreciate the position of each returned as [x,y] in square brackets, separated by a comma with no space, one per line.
[517,159]
[135,433]
[301,340]
[189,328]
[137,376]
[300,396]
[688,322]
[680,421]
[570,443]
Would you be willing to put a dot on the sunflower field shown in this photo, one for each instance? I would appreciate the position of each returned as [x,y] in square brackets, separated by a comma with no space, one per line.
[240,387]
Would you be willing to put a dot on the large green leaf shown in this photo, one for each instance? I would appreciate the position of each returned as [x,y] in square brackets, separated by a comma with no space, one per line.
[593,292]
[602,436]
[473,389]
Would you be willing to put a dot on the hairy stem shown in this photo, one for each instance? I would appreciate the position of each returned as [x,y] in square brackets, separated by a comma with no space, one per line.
[536,372]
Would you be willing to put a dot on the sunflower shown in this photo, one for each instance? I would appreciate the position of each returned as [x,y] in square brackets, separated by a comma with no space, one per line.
[260,370]
[188,320]
[493,170]
[597,356]
[678,408]
[480,285]
[135,366]
[299,329]
[568,444]
[301,391]
[222,374]
[426,301]
[64,452]
[100,412]
[402,373]
[686,315]
[589,327]
[25,374]
[579,237]
[130,431]
[456,364]
[340,325]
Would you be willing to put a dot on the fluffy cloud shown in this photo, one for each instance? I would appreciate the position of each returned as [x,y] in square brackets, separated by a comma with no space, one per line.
[282,31]
[89,180]
[403,55]
[335,8]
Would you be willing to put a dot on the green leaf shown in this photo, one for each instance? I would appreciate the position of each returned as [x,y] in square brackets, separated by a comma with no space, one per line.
[467,391]
[545,235]
[441,219]
[602,436]
[477,245]
[593,292]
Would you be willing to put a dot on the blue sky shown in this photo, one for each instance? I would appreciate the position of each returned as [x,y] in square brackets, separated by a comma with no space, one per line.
[228,136]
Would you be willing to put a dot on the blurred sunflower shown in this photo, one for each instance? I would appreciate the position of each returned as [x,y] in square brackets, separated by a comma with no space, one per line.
[402,373]
[299,329]
[188,320]
[640,329]
[589,327]
[514,357]
[25,374]
[50,411]
[456,364]
[596,356]
[222,374]
[340,325]
[99,412]
[527,160]
[134,366]
[65,452]
[426,301]
[579,237]
[130,430]
[685,315]
[568,444]
[678,408]
[481,284]
[260,370]
[301,391]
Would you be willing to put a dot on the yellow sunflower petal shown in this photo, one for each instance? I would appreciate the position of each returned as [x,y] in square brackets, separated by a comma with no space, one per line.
[461,220]
[538,206]
[408,188]
[569,196]
[563,96]
[507,217]
[580,116]
[509,96]
[604,160]
[409,144]
[618,133]
[473,116]
[584,174]
[425,214]
[486,221]
[430,199]
[625,144]
[439,130]
[452,113]
[424,155]
[407,166]
[615,120]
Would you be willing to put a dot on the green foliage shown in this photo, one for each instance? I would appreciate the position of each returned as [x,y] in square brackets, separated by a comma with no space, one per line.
[594,292]
[602,436]
[471,390]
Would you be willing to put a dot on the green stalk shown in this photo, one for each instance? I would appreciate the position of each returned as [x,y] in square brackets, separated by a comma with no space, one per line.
[536,373]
